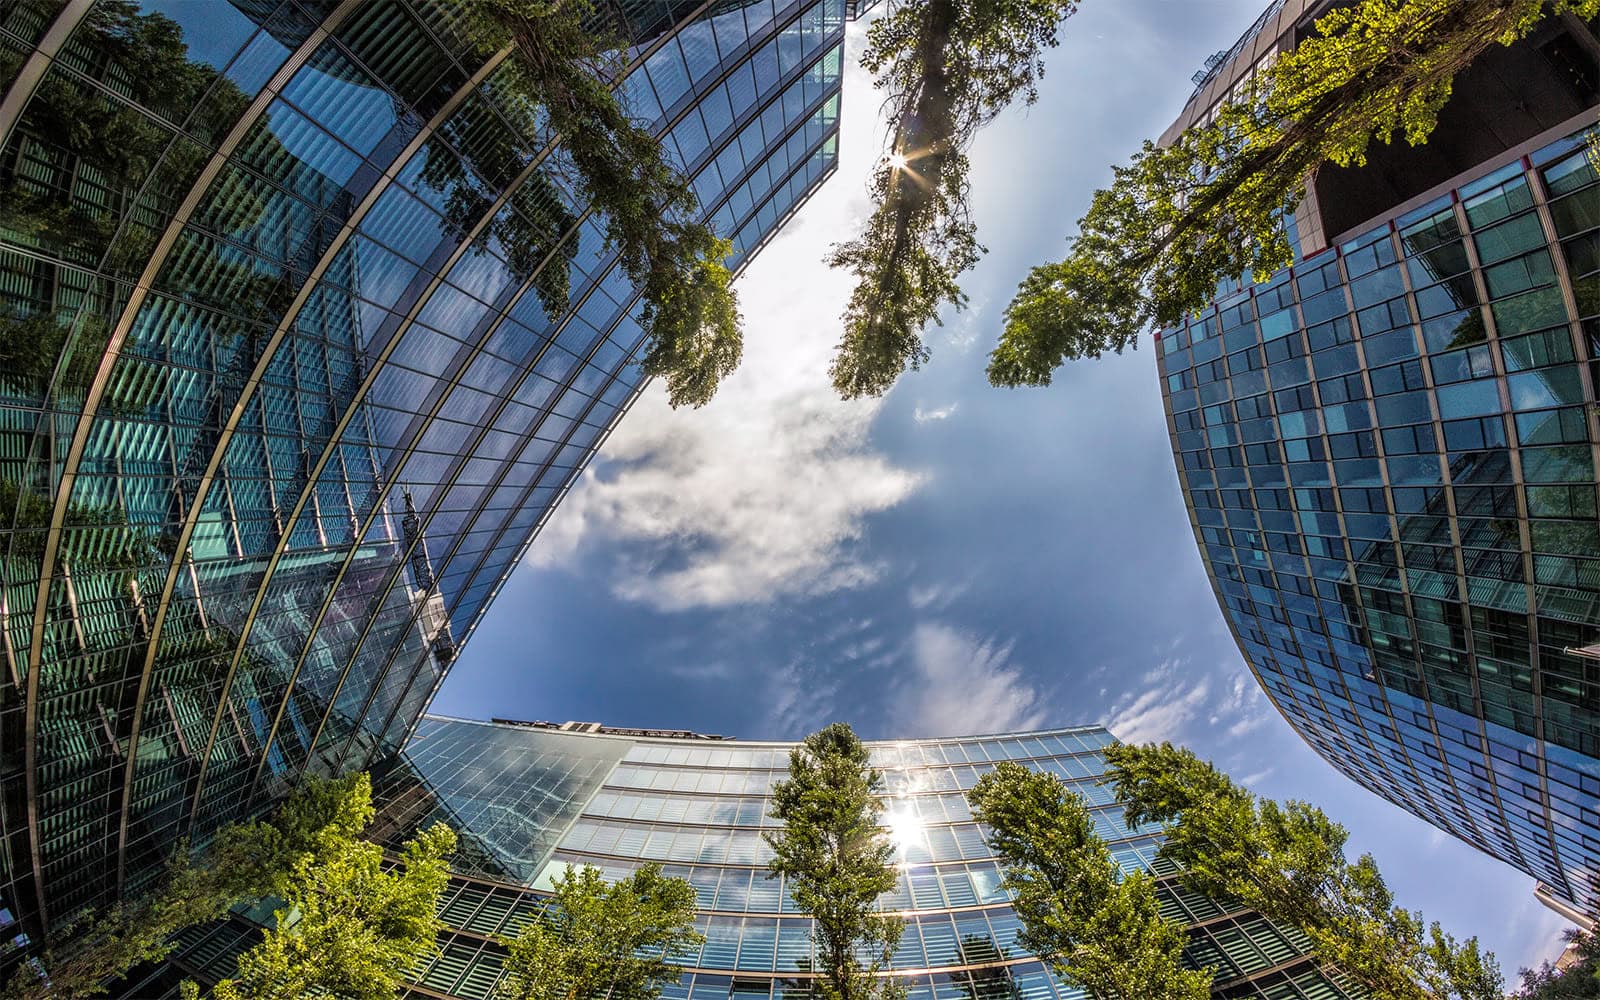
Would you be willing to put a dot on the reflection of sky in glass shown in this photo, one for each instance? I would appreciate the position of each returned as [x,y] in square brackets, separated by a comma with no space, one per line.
[515,789]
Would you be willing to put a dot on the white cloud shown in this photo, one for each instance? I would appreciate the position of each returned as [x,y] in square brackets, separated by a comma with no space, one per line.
[1177,697]
[922,416]
[1167,702]
[764,492]
[1243,708]
[933,596]
[962,685]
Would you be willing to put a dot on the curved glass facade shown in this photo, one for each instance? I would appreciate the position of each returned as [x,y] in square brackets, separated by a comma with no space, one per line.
[1389,456]
[304,329]
[531,801]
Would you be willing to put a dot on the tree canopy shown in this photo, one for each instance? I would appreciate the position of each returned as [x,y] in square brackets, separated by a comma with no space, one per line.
[247,861]
[1578,981]
[348,928]
[948,68]
[1208,208]
[596,939]
[1287,862]
[1096,926]
[569,56]
[836,861]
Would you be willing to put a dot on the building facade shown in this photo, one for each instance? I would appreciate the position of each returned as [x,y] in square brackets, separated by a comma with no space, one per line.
[531,801]
[1388,452]
[305,327]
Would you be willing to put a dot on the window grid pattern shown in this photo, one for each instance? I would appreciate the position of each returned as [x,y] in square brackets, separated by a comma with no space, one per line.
[349,396]
[1388,452]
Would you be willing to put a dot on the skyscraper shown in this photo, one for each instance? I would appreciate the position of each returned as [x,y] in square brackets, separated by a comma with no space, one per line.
[532,800]
[1388,454]
[305,327]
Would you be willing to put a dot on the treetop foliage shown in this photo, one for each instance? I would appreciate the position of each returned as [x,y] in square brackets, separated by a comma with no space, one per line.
[246,862]
[596,939]
[1579,981]
[569,58]
[948,68]
[1287,862]
[1179,220]
[1094,925]
[348,929]
[836,862]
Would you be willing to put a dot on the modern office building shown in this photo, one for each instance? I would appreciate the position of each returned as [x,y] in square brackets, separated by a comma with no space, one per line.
[533,800]
[1389,451]
[305,327]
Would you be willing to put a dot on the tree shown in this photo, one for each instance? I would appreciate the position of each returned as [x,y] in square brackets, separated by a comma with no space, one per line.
[1094,925]
[1287,862]
[568,53]
[1178,220]
[246,862]
[835,860]
[1578,981]
[948,67]
[348,928]
[596,939]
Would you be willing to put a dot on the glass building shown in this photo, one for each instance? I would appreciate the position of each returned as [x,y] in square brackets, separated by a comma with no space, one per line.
[305,327]
[531,800]
[1389,450]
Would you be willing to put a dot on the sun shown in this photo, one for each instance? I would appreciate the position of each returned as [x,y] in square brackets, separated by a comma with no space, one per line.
[897,161]
[906,832]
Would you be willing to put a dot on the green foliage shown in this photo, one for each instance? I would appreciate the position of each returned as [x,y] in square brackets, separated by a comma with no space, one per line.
[246,862]
[597,939]
[1178,220]
[118,546]
[1287,862]
[1093,925]
[835,860]
[691,314]
[948,68]
[536,229]
[347,929]
[1578,981]
[144,57]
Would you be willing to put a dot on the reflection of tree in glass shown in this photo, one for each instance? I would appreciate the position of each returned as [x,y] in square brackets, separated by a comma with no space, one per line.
[71,125]
[993,982]
[531,226]
[570,56]
[31,345]
[118,546]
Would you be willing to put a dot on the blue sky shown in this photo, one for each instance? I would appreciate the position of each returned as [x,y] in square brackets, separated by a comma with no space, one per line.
[950,559]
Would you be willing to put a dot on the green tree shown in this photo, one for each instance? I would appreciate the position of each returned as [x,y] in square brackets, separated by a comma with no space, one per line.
[1578,981]
[1177,220]
[948,67]
[597,939]
[246,862]
[1287,862]
[1094,925]
[835,859]
[348,928]
[568,54]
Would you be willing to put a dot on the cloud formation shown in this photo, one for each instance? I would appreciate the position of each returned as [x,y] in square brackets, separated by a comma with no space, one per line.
[764,492]
[945,412]
[1175,699]
[1167,699]
[961,685]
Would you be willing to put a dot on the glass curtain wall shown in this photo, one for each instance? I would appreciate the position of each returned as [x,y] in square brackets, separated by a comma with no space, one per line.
[305,327]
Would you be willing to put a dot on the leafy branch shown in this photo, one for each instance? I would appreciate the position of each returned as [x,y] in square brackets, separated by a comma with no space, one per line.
[949,67]
[1286,861]
[1180,219]
[569,56]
